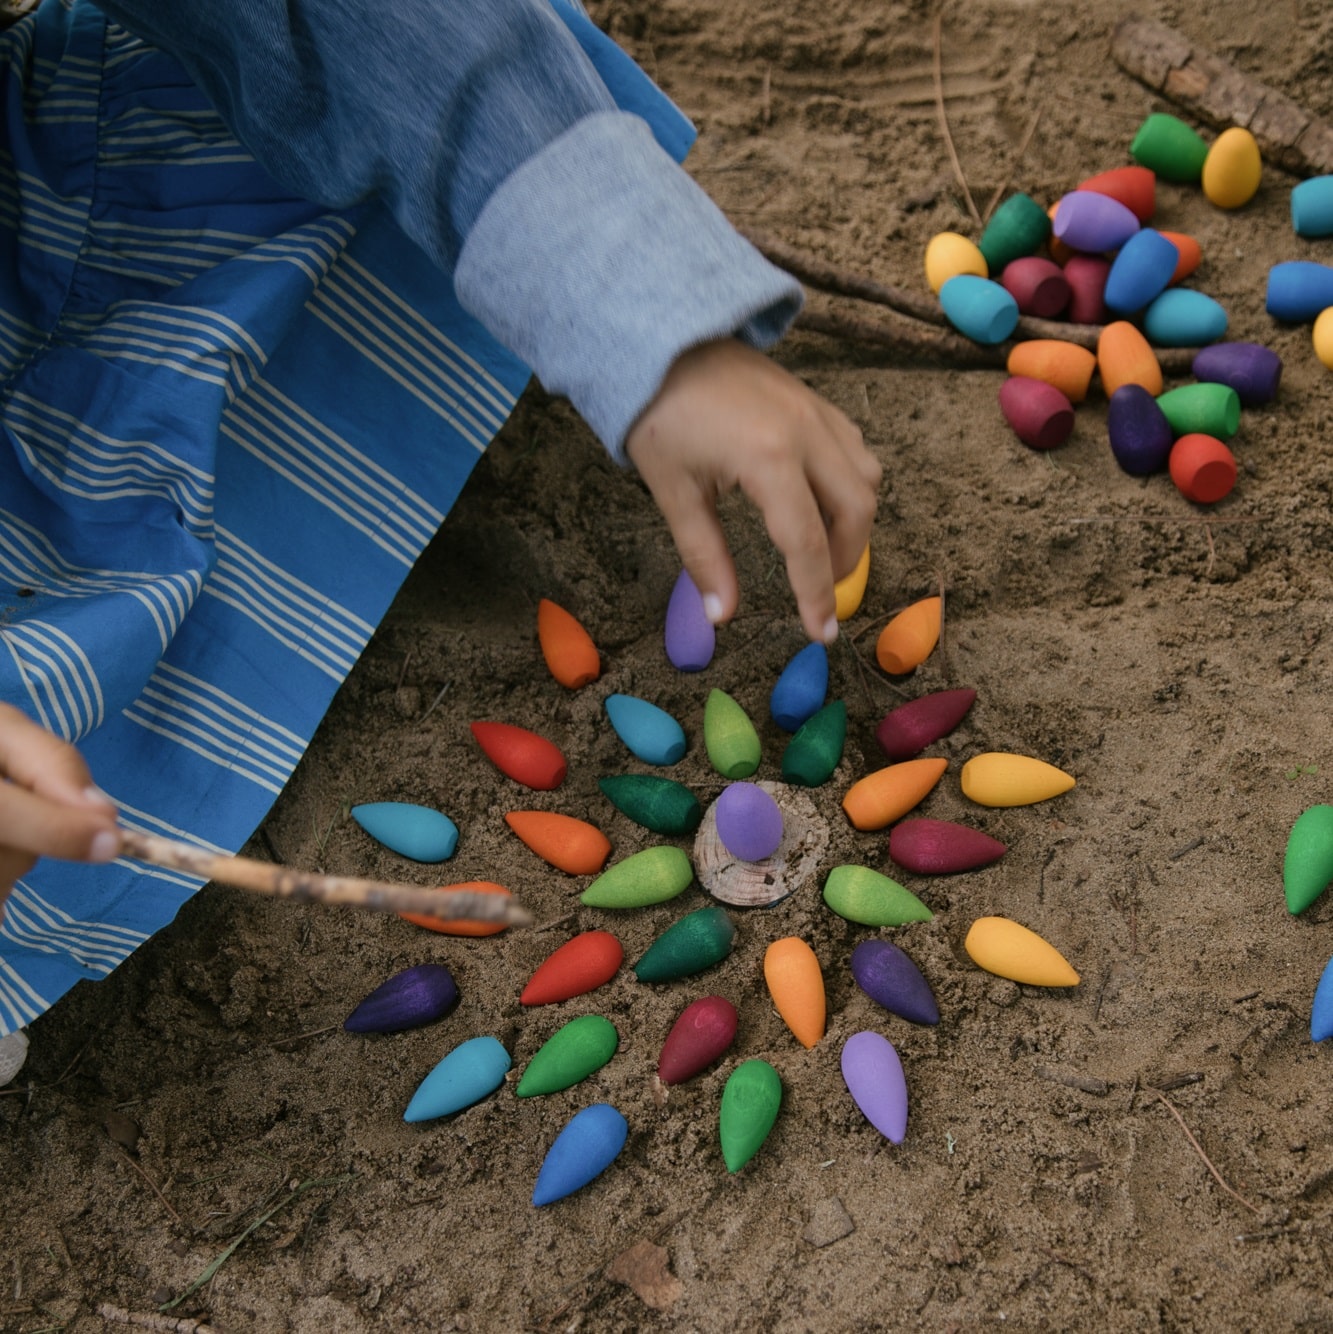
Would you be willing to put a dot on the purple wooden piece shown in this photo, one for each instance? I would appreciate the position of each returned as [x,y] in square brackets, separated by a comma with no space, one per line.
[749,822]
[690,636]
[892,980]
[408,999]
[1251,369]
[874,1077]
[1094,223]
[1141,436]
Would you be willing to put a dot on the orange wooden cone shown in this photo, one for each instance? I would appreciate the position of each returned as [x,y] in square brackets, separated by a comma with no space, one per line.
[580,965]
[906,642]
[796,984]
[1124,356]
[568,844]
[1191,254]
[450,927]
[566,645]
[888,794]
[1065,365]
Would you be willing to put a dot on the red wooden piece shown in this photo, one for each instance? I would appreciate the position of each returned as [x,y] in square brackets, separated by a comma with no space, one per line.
[704,1030]
[906,731]
[578,966]
[522,755]
[939,847]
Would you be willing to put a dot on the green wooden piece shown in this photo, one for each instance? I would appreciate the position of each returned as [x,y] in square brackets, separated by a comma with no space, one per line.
[697,941]
[865,896]
[729,736]
[1166,145]
[1308,867]
[815,749]
[750,1103]
[651,876]
[1212,409]
[570,1054]
[660,804]
[1018,227]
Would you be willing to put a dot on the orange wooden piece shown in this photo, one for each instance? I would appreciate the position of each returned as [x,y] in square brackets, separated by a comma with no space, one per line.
[568,844]
[449,927]
[906,642]
[1191,254]
[578,966]
[522,755]
[796,984]
[1134,187]
[888,794]
[1124,356]
[1065,365]
[567,646]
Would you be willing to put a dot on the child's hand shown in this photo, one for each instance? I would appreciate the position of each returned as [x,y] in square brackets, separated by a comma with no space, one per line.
[48,804]
[728,416]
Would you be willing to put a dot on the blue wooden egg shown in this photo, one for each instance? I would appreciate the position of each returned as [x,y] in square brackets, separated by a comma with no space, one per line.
[1141,271]
[466,1075]
[749,822]
[583,1150]
[979,308]
[1092,222]
[418,832]
[1251,369]
[651,733]
[1312,206]
[1321,1013]
[408,999]
[690,637]
[800,690]
[1141,436]
[874,1077]
[1182,317]
[1298,289]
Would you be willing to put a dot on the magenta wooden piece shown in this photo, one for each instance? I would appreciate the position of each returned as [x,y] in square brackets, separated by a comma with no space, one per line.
[874,1077]
[940,847]
[749,822]
[906,731]
[1086,276]
[704,1030]
[892,980]
[1252,370]
[690,636]
[1041,416]
[1092,222]
[1141,436]
[1038,285]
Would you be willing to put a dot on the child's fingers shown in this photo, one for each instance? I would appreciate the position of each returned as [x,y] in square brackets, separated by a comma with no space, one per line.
[692,518]
[40,827]
[33,758]
[13,865]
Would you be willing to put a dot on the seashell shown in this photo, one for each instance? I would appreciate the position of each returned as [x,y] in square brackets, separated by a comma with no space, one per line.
[1209,409]
[1000,779]
[571,656]
[651,876]
[1298,289]
[465,1076]
[568,844]
[651,733]
[874,1077]
[1141,271]
[1321,1012]
[1233,168]
[689,636]
[1093,223]
[1312,206]
[1124,356]
[1191,255]
[850,591]
[1182,317]
[1037,284]
[590,1142]
[801,688]
[416,996]
[572,1053]
[1086,276]
[1007,949]
[751,1098]
[749,822]
[1018,227]
[417,832]
[948,254]
[910,637]
[1134,187]
[1203,468]
[940,847]
[888,794]
[660,804]
[730,737]
[796,984]
[696,942]
[581,964]
[13,1055]
[1166,145]
[815,751]
[1066,366]
[979,308]
[1039,414]
[703,1031]
[1141,437]
[1252,370]
[522,755]
[865,896]
[1322,336]
[892,980]
[1307,869]
[449,926]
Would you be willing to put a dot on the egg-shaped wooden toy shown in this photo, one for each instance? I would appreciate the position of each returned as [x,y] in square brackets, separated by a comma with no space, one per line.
[1251,369]
[903,733]
[979,308]
[1093,223]
[1056,248]
[417,832]
[653,875]
[1312,206]
[695,943]
[1321,1012]
[704,1030]
[522,755]
[751,1099]
[469,1072]
[1141,271]
[870,898]
[849,591]
[1008,949]
[1203,468]
[571,656]
[910,637]
[1322,337]
[941,847]
[1135,187]
[796,984]
[874,1077]
[888,794]
[997,778]
[572,1053]
[660,804]
[409,999]
[1166,145]
[1307,868]
[948,254]
[1298,289]
[1232,169]
[815,751]
[892,980]
[729,736]
[1037,284]
[1124,356]
[1140,435]
[1039,414]
[1190,252]
[1086,276]
[567,844]
[689,635]
[582,964]
[749,822]
[650,733]
[801,688]
[1067,366]
[461,926]
[1182,317]
[1209,409]
[590,1142]
[1020,226]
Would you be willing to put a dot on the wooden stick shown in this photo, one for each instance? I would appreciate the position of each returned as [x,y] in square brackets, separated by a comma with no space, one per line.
[284,882]
[909,339]
[937,75]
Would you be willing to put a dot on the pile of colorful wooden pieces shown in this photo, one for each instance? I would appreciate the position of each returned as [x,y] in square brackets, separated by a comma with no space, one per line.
[1301,291]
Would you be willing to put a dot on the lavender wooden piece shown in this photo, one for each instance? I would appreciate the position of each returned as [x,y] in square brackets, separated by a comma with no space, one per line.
[1094,223]
[749,822]
[690,637]
[874,1077]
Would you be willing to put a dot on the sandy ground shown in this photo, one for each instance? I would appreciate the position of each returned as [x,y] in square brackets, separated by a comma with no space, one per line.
[202,1116]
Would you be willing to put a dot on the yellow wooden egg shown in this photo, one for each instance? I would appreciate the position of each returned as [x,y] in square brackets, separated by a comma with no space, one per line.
[1009,950]
[1323,337]
[1232,169]
[1000,779]
[948,254]
[849,592]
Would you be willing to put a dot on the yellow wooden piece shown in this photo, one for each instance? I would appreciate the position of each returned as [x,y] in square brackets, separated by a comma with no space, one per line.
[910,638]
[796,984]
[1323,337]
[888,794]
[1009,950]
[1233,168]
[948,254]
[849,592]
[1000,779]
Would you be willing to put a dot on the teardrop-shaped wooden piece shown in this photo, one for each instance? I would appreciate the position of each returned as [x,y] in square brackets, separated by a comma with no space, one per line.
[910,637]
[801,688]
[873,1074]
[413,997]
[572,1053]
[522,755]
[580,965]
[729,736]
[650,733]
[940,847]
[794,979]
[689,635]
[1321,1010]
[892,980]
[696,942]
[1307,868]
[660,804]
[1001,779]
[568,844]
[888,794]
[582,1151]
[449,926]
[571,656]
[1011,950]
[750,1102]
[872,899]
[418,832]
[704,1030]
[651,876]
[906,731]
[849,592]
[815,751]
[466,1075]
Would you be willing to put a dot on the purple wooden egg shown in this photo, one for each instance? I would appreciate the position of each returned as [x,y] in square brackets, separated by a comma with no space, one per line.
[892,980]
[1037,284]
[1141,271]
[704,1030]
[1091,222]
[940,847]
[1041,416]
[874,1077]
[906,731]
[749,822]
[1086,276]
[1141,436]
[408,999]
[1251,369]
[690,636]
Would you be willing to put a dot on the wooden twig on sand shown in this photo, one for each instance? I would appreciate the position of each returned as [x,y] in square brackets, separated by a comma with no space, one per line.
[1207,1162]
[1219,94]
[912,340]
[117,1315]
[284,882]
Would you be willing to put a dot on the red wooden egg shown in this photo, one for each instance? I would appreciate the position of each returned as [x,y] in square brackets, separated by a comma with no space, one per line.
[1134,187]
[906,731]
[1202,467]
[1041,416]
[939,847]
[1086,276]
[1038,285]
[578,966]
[522,755]
[703,1032]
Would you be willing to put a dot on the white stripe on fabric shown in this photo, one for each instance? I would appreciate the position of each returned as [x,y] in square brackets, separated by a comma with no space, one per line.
[20,1002]
[34,698]
[55,666]
[36,924]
